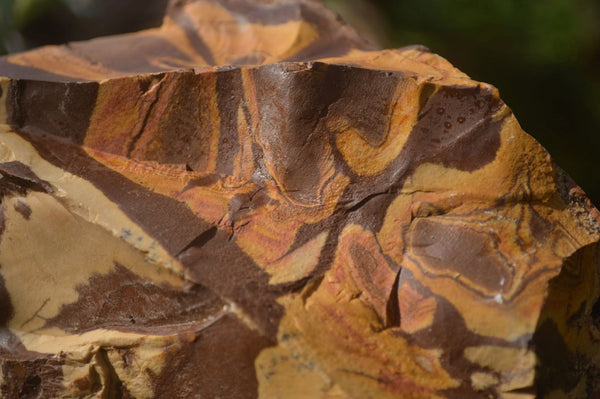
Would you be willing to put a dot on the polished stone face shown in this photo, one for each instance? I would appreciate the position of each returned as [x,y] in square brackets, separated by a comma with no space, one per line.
[250,202]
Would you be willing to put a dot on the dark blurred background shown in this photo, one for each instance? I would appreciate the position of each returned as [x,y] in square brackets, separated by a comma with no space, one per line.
[543,55]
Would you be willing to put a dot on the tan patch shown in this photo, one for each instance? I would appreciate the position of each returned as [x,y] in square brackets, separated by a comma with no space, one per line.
[483,381]
[287,374]
[516,366]
[83,199]
[299,263]
[140,366]
[502,359]
[134,358]
[62,250]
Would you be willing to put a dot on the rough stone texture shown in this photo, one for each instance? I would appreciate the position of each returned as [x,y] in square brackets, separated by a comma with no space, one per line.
[251,202]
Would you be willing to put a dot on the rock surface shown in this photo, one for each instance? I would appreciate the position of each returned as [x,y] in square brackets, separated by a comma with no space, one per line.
[251,202]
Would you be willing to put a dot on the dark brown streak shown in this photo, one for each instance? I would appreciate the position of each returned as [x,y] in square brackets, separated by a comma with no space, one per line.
[365,375]
[201,239]
[113,385]
[16,176]
[358,205]
[140,132]
[229,96]
[67,107]
[393,306]
[6,308]
[80,54]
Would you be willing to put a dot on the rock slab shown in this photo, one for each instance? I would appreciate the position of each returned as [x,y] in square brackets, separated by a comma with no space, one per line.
[252,202]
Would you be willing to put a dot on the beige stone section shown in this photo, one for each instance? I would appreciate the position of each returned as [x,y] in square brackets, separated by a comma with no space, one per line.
[138,371]
[90,376]
[482,381]
[45,257]
[500,358]
[79,380]
[82,198]
[516,365]
[509,395]
[86,358]
[299,263]
[287,374]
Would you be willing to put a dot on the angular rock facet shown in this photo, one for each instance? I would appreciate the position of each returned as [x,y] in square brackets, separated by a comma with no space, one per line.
[251,202]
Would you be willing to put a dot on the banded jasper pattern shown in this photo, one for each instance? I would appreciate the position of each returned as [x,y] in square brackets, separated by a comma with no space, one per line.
[251,202]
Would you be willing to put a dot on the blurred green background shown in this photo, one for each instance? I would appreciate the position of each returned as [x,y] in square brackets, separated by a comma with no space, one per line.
[543,55]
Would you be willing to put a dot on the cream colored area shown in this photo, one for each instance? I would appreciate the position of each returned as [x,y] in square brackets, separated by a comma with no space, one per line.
[482,381]
[91,378]
[82,198]
[85,364]
[54,340]
[230,37]
[299,263]
[288,374]
[4,85]
[44,258]
[79,379]
[136,359]
[370,159]
[61,60]
[138,373]
[510,395]
[501,359]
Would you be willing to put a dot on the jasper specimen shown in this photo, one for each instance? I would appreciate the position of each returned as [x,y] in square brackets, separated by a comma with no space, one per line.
[251,202]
